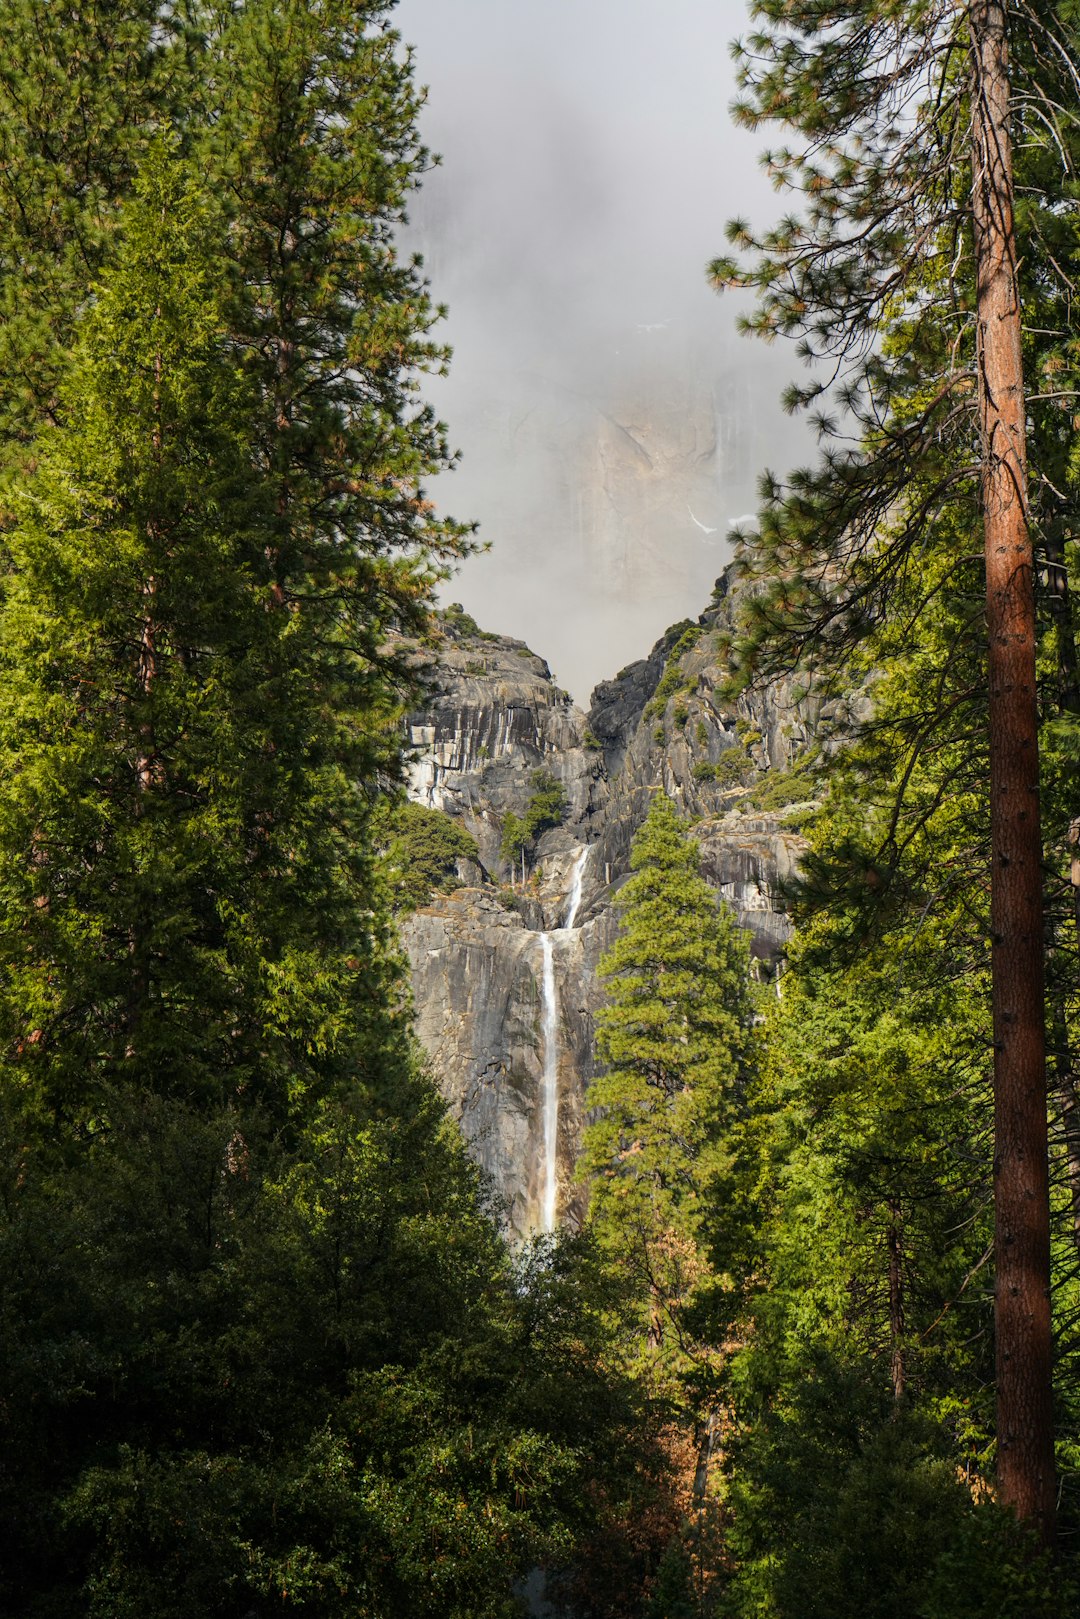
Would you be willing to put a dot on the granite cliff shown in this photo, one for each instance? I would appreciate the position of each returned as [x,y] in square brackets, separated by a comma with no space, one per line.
[504,970]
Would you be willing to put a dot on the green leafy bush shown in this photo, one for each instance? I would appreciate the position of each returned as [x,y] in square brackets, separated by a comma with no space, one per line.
[779,788]
[423,847]
[546,809]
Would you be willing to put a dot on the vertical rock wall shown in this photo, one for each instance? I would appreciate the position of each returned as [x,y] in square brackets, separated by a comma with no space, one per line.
[476,954]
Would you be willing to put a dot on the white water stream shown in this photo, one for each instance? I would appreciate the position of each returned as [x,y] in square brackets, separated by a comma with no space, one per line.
[549,1026]
[575,888]
[550,1091]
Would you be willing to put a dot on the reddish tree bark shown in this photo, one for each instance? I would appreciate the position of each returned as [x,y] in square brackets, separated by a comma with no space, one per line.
[1021,1178]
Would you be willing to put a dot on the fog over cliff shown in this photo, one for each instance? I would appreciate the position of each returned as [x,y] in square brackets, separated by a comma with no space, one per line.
[607,411]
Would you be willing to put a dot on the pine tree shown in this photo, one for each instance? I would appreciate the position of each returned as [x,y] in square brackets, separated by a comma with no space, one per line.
[301,118]
[262,1340]
[674,1038]
[82,89]
[308,125]
[905,169]
[857,1236]
[187,894]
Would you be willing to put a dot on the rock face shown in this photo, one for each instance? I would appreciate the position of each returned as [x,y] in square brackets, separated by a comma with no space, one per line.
[477,954]
[477,973]
[494,719]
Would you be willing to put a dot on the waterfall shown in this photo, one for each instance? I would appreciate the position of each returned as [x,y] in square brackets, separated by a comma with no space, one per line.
[549,1027]
[575,888]
[550,1090]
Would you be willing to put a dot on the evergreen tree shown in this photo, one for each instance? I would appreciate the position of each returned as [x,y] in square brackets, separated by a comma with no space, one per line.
[240,1375]
[81,91]
[674,1038]
[905,167]
[857,1227]
[308,125]
[301,118]
[186,891]
[521,833]
[857,1238]
[262,1340]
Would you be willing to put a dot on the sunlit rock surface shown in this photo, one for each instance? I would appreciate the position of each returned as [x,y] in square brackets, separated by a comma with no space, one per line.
[476,971]
[495,719]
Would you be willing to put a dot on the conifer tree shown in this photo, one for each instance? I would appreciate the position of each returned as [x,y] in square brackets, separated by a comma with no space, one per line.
[82,89]
[309,127]
[263,1343]
[905,168]
[674,1038]
[301,118]
[186,891]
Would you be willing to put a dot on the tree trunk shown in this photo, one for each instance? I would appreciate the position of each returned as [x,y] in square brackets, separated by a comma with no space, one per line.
[1021,1174]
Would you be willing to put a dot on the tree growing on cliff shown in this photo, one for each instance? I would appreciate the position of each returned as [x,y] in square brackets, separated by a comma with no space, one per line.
[674,1038]
[906,171]
[546,809]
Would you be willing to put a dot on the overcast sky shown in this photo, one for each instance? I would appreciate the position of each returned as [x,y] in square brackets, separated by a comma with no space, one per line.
[589,165]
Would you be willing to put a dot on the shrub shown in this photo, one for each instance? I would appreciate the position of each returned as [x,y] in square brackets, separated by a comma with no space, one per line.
[422,849]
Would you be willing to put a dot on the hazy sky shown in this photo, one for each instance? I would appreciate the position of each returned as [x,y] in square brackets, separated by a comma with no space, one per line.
[589,165]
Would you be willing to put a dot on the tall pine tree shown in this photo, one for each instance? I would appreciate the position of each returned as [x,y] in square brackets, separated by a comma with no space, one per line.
[674,1038]
[262,1341]
[905,126]
[182,762]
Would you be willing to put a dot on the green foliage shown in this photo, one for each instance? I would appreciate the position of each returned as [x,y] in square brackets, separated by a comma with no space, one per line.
[291,114]
[776,789]
[682,638]
[674,1036]
[867,576]
[546,809]
[71,139]
[262,1341]
[547,804]
[463,627]
[515,839]
[857,1224]
[239,1375]
[186,870]
[422,849]
[887,1528]
[730,770]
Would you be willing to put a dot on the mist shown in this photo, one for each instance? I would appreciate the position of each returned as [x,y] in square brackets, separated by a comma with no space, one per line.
[611,420]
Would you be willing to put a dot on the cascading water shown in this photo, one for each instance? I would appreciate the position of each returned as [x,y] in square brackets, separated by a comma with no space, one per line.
[550,1091]
[549,1026]
[575,888]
